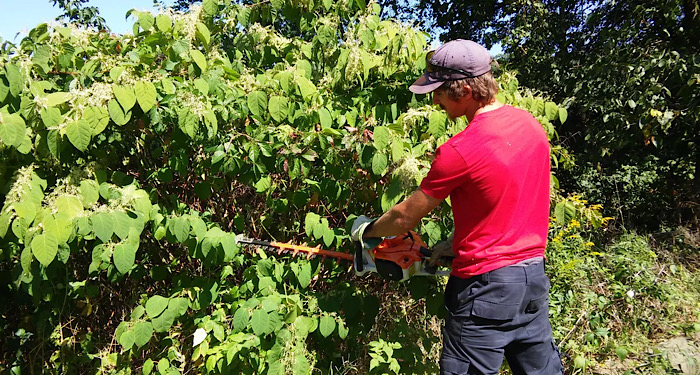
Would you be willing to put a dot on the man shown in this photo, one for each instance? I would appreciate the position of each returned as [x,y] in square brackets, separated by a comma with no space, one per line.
[497,174]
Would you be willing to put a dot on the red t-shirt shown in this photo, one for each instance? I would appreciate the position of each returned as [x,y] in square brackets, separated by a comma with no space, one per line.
[497,175]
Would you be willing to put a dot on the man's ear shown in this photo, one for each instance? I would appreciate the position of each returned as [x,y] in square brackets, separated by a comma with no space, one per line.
[467,90]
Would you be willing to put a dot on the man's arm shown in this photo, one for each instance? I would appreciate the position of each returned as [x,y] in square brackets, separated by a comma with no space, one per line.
[404,216]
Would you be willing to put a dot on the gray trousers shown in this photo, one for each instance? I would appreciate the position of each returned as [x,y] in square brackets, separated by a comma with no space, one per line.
[500,313]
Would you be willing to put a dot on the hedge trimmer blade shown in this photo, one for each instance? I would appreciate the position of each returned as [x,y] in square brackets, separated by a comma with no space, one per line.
[290,248]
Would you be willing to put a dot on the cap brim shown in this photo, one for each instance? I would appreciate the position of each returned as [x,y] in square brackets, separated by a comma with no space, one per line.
[425,84]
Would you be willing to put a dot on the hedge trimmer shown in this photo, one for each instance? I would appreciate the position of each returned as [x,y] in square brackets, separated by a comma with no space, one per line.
[396,258]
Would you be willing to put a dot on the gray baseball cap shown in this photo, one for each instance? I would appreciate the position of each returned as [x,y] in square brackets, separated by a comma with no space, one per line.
[453,60]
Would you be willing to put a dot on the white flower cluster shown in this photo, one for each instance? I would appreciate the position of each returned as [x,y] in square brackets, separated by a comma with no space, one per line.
[410,171]
[353,67]
[414,116]
[195,103]
[188,21]
[23,177]
[268,36]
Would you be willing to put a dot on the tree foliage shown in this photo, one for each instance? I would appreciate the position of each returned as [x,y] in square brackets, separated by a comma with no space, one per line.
[624,69]
[75,12]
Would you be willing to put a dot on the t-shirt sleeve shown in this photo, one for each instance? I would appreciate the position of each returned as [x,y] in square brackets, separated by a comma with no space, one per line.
[447,172]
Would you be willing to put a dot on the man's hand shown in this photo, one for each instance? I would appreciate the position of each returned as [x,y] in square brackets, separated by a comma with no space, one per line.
[358,230]
[442,252]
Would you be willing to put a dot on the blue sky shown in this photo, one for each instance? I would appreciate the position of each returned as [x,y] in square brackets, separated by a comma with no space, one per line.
[23,15]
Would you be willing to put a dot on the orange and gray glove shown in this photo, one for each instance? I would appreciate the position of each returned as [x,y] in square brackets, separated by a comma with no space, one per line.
[442,253]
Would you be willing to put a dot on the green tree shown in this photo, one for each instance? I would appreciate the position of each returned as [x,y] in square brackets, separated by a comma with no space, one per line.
[626,72]
[75,12]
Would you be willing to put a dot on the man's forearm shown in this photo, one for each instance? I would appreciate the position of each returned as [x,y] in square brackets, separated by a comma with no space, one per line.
[404,216]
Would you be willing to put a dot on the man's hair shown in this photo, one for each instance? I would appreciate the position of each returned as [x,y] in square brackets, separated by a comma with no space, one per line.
[484,88]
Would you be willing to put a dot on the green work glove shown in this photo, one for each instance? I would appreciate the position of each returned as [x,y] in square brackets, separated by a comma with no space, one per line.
[442,252]
[358,230]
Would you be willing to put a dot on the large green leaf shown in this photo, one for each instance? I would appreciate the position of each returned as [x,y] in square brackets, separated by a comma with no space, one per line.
[257,102]
[125,254]
[156,305]
[56,98]
[241,319]
[199,59]
[118,115]
[89,192]
[379,163]
[14,78]
[126,339]
[188,122]
[143,331]
[12,129]
[164,23]
[326,325]
[306,88]
[437,124]
[103,225]
[180,228]
[125,96]
[381,137]
[551,111]
[145,95]
[51,117]
[279,108]
[44,248]
[70,205]
[97,118]
[79,134]
[325,118]
[260,322]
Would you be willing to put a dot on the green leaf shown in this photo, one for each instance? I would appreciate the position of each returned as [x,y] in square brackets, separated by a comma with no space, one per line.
[145,20]
[392,195]
[437,124]
[551,111]
[381,137]
[12,129]
[118,115]
[260,322]
[306,88]
[14,78]
[342,330]
[188,122]
[241,319]
[147,367]
[89,192]
[210,7]
[126,339]
[143,331]
[202,86]
[379,163]
[326,325]
[564,212]
[56,98]
[301,365]
[164,23]
[304,275]
[70,205]
[257,102]
[202,33]
[97,118]
[125,96]
[124,255]
[79,134]
[180,228]
[263,184]
[145,94]
[103,225]
[51,117]
[279,108]
[122,224]
[563,115]
[156,305]
[44,248]
[325,117]
[199,59]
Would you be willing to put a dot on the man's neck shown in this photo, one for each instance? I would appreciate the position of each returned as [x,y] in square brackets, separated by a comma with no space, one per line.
[481,108]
